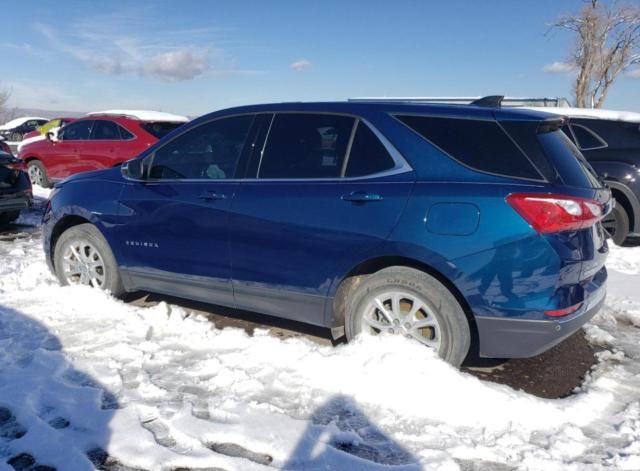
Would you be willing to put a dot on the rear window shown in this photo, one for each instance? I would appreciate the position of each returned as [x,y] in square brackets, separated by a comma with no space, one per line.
[160,129]
[481,145]
[569,162]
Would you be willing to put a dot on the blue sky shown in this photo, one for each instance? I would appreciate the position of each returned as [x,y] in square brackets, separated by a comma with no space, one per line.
[192,57]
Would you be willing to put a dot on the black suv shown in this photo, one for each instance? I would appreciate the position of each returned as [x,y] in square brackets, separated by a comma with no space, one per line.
[15,130]
[610,141]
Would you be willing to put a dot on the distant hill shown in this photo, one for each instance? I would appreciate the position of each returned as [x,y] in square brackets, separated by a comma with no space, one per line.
[12,113]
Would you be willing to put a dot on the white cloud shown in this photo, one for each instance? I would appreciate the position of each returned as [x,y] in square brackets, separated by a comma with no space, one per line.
[633,73]
[300,65]
[116,55]
[182,64]
[559,68]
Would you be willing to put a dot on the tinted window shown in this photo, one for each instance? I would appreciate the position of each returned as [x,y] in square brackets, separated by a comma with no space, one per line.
[125,134]
[586,138]
[210,151]
[571,165]
[160,129]
[368,155]
[306,146]
[77,131]
[105,131]
[482,145]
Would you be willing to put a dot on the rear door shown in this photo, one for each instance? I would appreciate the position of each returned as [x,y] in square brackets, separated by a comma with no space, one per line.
[323,192]
[174,236]
[68,149]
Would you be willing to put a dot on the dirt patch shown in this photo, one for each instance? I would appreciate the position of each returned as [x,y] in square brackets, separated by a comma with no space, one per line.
[553,374]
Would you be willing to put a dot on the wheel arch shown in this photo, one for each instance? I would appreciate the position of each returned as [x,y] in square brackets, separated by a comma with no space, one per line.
[623,196]
[372,265]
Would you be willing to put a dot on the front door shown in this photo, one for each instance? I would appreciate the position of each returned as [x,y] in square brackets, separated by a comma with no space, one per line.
[174,235]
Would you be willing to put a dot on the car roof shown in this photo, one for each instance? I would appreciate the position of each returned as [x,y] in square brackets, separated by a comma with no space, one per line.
[142,115]
[592,113]
[346,107]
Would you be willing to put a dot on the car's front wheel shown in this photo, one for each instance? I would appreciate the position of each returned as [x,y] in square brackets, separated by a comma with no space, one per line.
[38,174]
[410,303]
[82,256]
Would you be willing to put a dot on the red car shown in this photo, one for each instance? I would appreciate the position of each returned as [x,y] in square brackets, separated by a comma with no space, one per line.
[96,141]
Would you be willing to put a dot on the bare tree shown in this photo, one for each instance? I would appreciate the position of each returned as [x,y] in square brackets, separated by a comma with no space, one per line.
[607,44]
[5,94]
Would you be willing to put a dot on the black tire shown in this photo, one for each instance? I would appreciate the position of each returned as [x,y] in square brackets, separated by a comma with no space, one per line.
[35,167]
[617,224]
[8,217]
[455,337]
[88,233]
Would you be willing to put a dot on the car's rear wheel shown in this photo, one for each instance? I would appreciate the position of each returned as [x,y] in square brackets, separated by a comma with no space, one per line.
[410,303]
[8,217]
[38,174]
[617,224]
[83,257]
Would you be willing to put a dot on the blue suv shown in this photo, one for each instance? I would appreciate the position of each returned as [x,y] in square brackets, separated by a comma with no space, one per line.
[460,227]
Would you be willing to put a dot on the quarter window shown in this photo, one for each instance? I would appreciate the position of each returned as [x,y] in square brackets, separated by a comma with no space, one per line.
[586,138]
[210,151]
[479,144]
[78,131]
[302,145]
[367,156]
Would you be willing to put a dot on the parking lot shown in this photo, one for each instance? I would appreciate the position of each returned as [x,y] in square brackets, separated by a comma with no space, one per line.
[161,383]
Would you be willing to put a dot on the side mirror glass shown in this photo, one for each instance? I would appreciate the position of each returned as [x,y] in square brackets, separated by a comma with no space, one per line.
[133,169]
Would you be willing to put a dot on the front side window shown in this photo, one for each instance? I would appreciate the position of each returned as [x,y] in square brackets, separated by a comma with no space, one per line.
[305,145]
[77,131]
[105,131]
[210,151]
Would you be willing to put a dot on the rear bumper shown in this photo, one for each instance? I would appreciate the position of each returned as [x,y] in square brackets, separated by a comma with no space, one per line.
[502,337]
[16,203]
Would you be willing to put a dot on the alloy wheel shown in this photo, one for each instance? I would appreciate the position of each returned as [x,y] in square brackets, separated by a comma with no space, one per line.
[82,264]
[35,175]
[402,313]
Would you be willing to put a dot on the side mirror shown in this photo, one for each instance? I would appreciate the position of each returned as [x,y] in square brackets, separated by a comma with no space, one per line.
[51,136]
[133,169]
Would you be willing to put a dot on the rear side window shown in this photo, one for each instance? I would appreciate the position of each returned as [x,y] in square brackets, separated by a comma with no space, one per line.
[105,131]
[587,139]
[481,145]
[159,129]
[304,145]
[368,156]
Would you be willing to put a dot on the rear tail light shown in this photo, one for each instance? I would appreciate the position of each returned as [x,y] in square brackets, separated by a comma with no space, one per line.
[556,213]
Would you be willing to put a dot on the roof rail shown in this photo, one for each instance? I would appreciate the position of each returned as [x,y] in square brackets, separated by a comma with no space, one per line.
[506,101]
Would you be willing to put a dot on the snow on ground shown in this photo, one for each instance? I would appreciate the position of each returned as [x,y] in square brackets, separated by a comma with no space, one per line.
[160,388]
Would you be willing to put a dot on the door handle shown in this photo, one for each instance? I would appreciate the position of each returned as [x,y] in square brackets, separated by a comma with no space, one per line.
[361,197]
[212,195]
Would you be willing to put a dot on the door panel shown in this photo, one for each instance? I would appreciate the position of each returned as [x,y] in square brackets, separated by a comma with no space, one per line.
[290,238]
[176,239]
[174,233]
